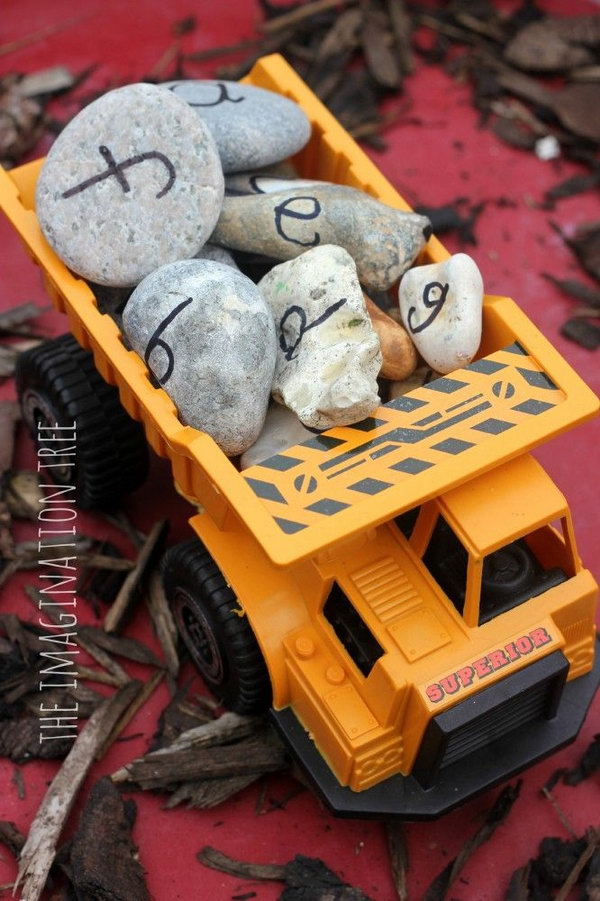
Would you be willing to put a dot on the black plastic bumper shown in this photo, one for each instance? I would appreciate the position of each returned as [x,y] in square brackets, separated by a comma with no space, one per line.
[404,798]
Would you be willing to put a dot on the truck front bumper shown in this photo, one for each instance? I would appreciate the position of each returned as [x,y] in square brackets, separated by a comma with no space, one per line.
[405,798]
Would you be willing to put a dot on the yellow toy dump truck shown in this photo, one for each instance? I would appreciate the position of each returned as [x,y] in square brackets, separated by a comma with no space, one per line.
[404,593]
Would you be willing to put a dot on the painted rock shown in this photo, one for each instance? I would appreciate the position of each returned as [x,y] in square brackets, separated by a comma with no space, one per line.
[133,182]
[265,181]
[328,355]
[207,337]
[252,127]
[282,429]
[382,241]
[441,308]
[399,356]
[217,255]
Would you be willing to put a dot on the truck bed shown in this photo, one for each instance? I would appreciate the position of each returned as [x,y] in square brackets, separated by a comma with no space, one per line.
[517,394]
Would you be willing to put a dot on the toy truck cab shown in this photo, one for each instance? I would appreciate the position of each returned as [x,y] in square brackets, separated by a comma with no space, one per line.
[405,592]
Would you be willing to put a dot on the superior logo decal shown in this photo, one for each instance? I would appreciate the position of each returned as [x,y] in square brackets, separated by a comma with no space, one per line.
[485,666]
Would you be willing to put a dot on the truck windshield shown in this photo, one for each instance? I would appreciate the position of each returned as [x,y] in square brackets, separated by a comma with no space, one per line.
[509,576]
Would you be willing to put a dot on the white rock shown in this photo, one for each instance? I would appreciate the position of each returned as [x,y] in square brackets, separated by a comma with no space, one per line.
[134,181]
[441,308]
[282,429]
[328,354]
[207,337]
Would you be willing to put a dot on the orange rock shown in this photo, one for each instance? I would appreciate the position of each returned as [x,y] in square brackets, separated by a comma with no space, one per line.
[398,351]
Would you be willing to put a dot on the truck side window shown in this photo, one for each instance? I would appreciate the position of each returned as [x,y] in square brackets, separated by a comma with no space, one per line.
[406,521]
[512,575]
[446,560]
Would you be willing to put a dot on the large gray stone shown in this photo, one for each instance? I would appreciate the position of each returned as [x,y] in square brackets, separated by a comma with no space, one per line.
[383,241]
[133,182]
[328,354]
[252,127]
[207,337]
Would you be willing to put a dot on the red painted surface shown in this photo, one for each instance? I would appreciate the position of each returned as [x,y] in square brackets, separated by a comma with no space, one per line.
[443,157]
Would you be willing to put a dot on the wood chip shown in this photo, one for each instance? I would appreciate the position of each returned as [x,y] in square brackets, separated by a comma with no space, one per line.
[116,616]
[146,690]
[216,860]
[10,414]
[380,57]
[576,289]
[22,494]
[130,648]
[47,81]
[14,320]
[593,842]
[103,859]
[164,624]
[305,877]
[539,48]
[398,858]
[198,754]
[300,13]
[495,816]
[39,850]
[208,793]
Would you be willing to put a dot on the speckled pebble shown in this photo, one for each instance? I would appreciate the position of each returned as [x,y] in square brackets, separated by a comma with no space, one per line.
[251,126]
[328,354]
[382,240]
[441,308]
[133,182]
[208,338]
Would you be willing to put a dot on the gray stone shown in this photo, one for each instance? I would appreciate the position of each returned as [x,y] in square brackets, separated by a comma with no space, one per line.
[382,240]
[265,181]
[252,127]
[207,337]
[328,354]
[282,429]
[133,182]
[217,255]
[441,307]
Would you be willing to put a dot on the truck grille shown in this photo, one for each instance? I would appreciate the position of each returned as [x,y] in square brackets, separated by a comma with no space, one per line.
[519,701]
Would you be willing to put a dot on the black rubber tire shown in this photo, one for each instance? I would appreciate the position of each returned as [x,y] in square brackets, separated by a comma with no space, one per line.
[58,381]
[220,641]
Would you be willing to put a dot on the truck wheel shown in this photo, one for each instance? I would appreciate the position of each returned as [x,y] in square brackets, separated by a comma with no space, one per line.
[220,641]
[57,382]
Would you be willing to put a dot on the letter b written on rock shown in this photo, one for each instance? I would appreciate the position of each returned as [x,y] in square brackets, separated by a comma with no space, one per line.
[156,341]
[288,215]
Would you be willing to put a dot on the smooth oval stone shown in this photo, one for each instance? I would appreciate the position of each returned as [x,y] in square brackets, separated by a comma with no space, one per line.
[441,308]
[281,429]
[383,241]
[207,337]
[252,127]
[265,182]
[217,255]
[399,357]
[328,354]
[132,182]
